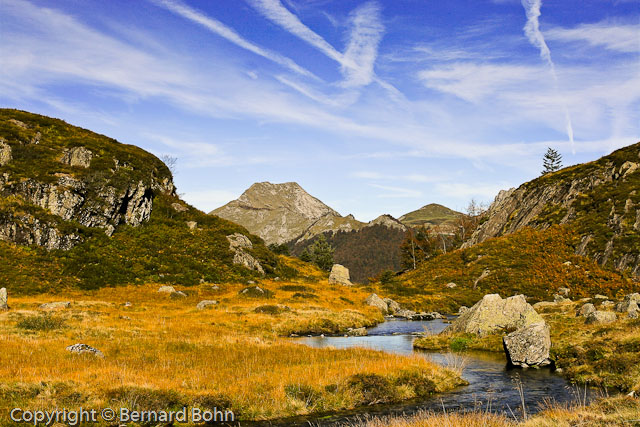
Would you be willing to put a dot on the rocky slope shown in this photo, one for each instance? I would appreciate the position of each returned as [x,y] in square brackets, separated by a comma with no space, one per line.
[276,212]
[53,176]
[600,200]
[78,209]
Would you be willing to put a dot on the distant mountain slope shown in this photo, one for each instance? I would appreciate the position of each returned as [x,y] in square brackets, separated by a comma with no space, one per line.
[79,209]
[331,223]
[366,252]
[430,215]
[276,212]
[600,200]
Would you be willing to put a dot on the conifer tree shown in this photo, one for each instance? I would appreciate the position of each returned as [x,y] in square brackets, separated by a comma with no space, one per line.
[552,161]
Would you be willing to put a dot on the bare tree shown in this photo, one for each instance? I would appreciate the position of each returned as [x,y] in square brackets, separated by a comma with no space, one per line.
[171,162]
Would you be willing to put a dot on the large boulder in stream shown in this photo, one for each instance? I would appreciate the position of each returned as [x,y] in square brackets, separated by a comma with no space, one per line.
[528,346]
[492,314]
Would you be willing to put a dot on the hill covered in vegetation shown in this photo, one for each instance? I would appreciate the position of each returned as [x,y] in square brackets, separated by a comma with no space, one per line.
[79,209]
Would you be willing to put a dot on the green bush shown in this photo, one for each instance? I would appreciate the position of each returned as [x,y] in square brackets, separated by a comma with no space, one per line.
[303,392]
[459,343]
[42,322]
[371,389]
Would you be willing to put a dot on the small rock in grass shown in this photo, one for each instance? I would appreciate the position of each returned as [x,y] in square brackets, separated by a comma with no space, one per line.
[166,289]
[208,303]
[3,299]
[85,349]
[600,317]
[586,310]
[55,305]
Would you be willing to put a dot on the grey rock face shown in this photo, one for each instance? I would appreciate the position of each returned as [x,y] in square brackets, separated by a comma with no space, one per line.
[208,303]
[392,306]
[3,299]
[528,346]
[55,305]
[339,275]
[492,313]
[629,303]
[586,310]
[375,301]
[77,156]
[5,153]
[237,244]
[85,349]
[192,225]
[601,317]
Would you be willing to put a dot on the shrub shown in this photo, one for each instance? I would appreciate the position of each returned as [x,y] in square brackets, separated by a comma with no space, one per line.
[255,292]
[305,295]
[422,386]
[295,288]
[460,343]
[371,389]
[303,392]
[147,399]
[43,322]
[272,309]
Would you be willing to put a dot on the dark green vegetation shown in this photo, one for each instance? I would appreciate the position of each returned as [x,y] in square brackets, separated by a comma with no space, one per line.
[161,250]
[365,252]
[430,215]
[41,322]
[320,253]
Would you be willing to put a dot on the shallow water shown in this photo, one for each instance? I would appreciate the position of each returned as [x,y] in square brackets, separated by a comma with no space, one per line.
[492,385]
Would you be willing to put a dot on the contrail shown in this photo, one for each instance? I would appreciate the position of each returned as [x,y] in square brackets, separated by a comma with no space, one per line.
[532,31]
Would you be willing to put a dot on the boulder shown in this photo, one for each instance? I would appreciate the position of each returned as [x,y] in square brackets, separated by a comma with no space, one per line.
[375,301]
[564,292]
[528,346]
[492,313]
[600,317]
[55,305]
[557,298]
[406,314]
[85,349]
[450,285]
[600,296]
[5,153]
[237,244]
[607,304]
[339,275]
[3,299]
[629,303]
[357,332]
[586,310]
[207,303]
[177,294]
[463,309]
[179,207]
[392,306]
[166,289]
[427,316]
[192,225]
[77,156]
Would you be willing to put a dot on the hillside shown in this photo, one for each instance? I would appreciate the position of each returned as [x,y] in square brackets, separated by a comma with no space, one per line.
[277,213]
[531,262]
[430,215]
[600,200]
[78,209]
[366,252]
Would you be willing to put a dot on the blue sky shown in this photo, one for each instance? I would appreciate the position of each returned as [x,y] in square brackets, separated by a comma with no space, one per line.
[372,106]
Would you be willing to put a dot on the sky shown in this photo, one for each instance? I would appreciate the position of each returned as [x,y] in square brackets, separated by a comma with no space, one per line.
[371,106]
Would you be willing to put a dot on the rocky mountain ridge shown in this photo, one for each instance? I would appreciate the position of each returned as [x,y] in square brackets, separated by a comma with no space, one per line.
[599,199]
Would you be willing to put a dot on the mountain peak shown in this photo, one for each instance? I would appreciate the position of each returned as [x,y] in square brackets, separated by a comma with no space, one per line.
[276,212]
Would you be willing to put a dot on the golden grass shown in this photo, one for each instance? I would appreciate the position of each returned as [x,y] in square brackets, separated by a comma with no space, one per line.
[163,352]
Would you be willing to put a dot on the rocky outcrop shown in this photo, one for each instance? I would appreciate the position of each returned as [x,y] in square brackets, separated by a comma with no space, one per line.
[578,196]
[600,317]
[238,243]
[630,305]
[330,223]
[357,332]
[276,212]
[77,156]
[492,314]
[375,301]
[5,153]
[3,299]
[528,346]
[339,275]
[71,187]
[85,349]
[387,221]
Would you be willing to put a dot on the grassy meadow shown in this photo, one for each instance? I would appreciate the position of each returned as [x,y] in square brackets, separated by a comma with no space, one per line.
[161,352]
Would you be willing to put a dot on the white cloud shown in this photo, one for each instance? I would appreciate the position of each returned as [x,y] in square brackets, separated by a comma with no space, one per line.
[396,192]
[616,37]
[222,30]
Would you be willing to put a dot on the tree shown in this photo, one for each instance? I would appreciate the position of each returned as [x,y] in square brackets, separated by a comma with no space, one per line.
[171,162]
[552,161]
[419,244]
[467,224]
[322,253]
[280,249]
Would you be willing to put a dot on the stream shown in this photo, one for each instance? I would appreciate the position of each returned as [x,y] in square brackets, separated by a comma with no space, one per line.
[492,385]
